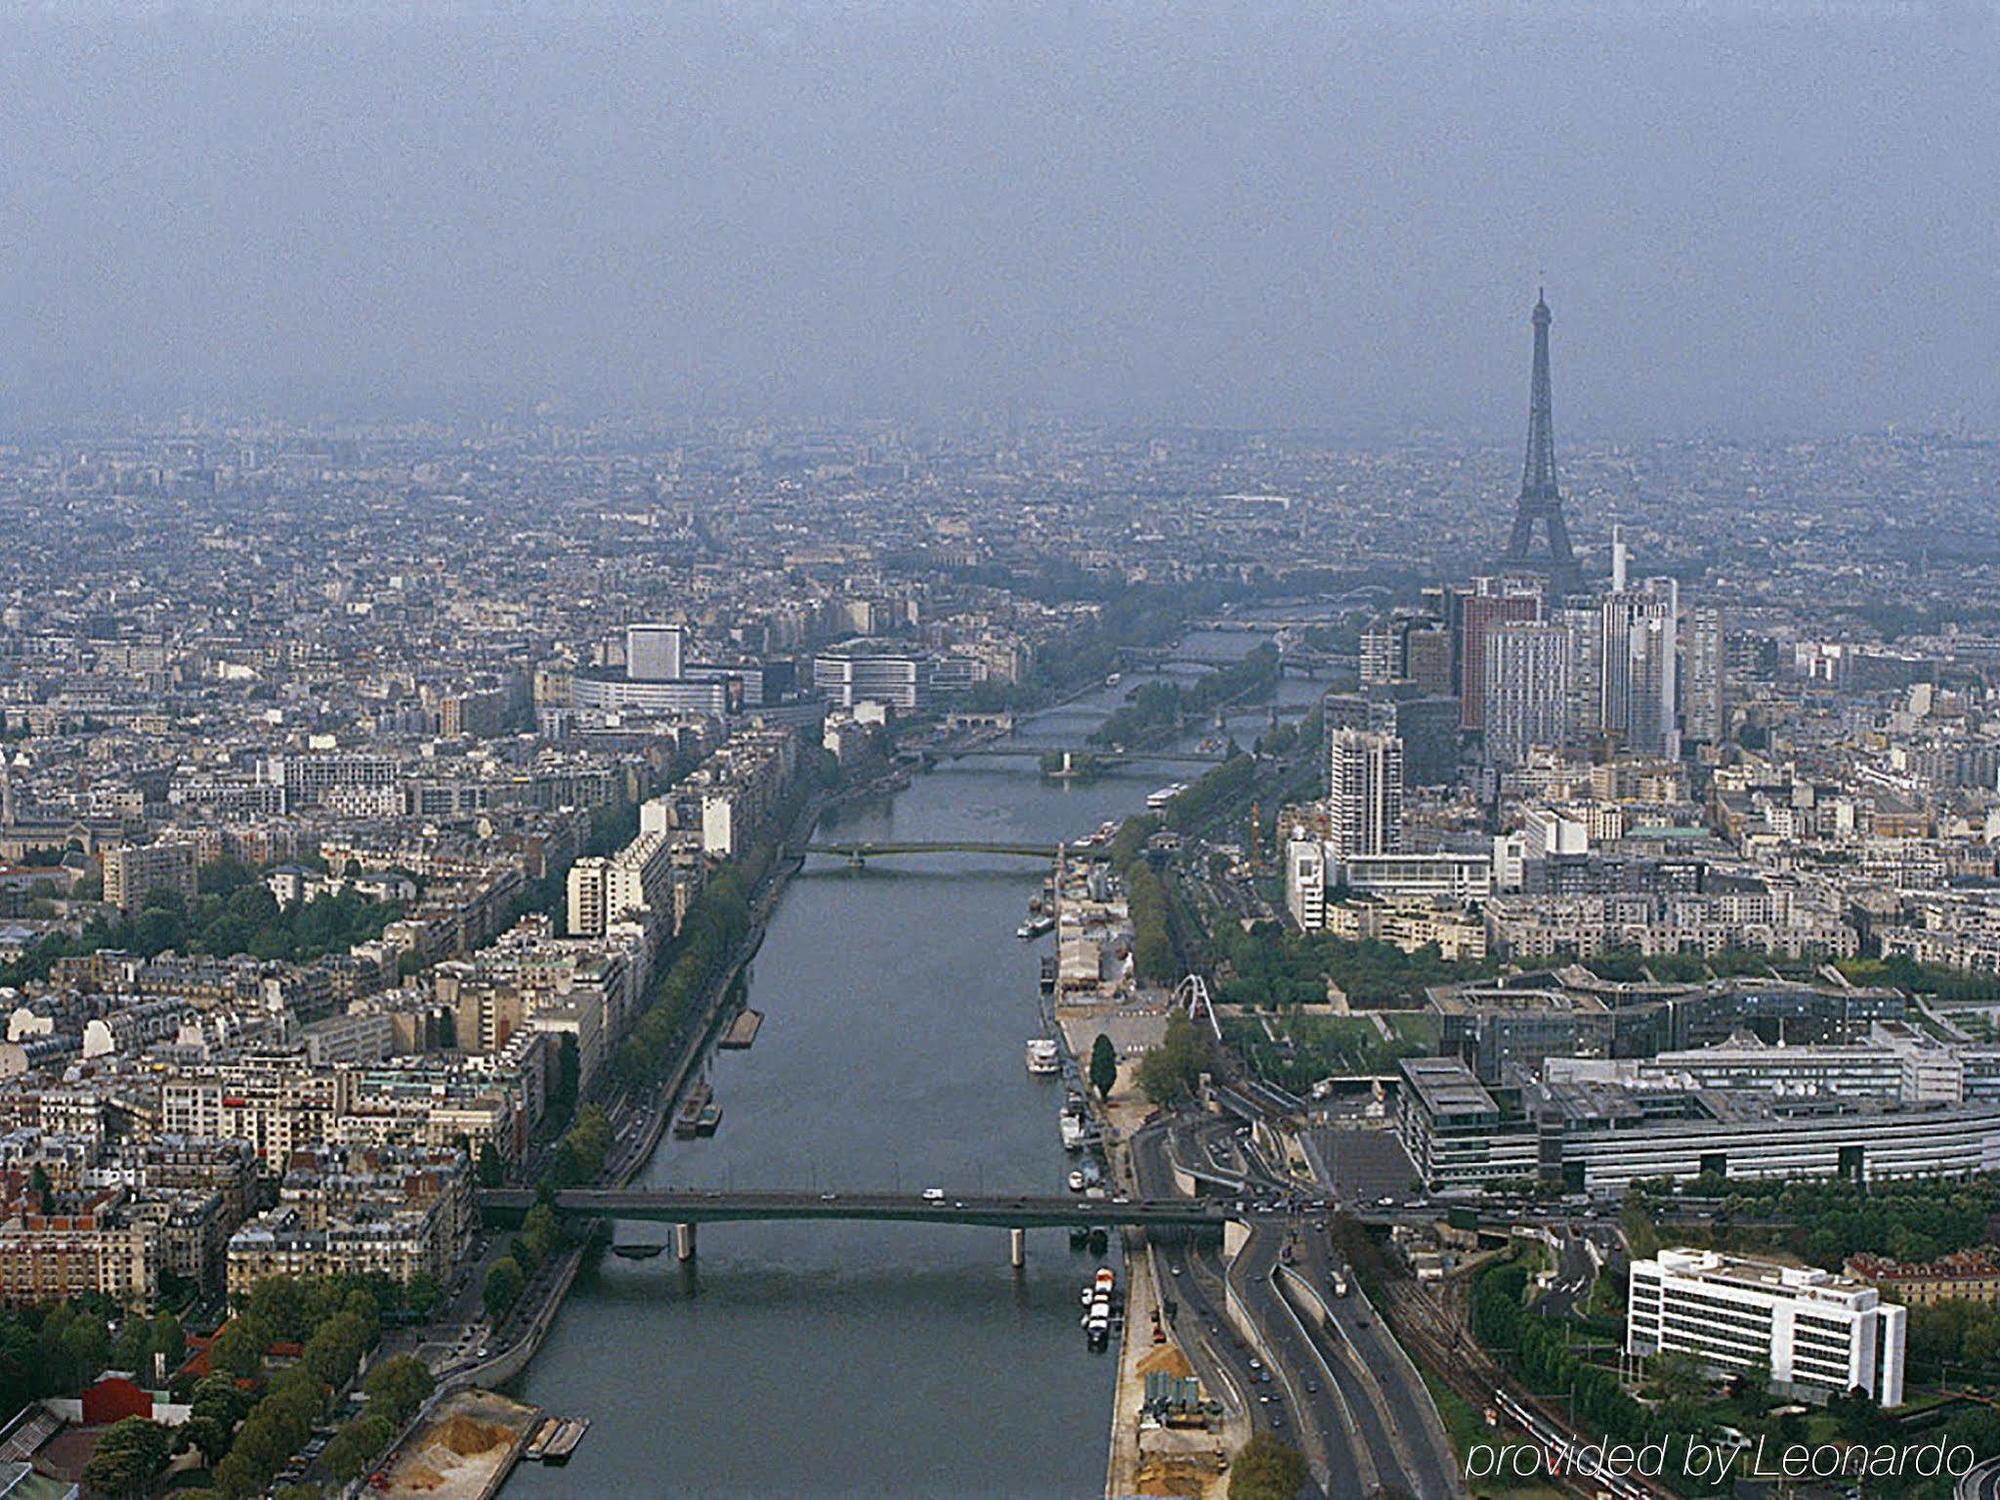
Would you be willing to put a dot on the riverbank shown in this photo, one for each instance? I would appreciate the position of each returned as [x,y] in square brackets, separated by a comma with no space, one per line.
[897,1000]
[633,1149]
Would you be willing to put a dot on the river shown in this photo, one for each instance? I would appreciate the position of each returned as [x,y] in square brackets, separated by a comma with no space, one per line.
[858,1359]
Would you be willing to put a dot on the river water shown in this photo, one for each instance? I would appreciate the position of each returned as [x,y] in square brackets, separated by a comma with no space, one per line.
[859,1359]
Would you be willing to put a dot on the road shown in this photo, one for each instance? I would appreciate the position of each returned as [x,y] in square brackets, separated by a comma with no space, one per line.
[1575,1274]
[1385,1405]
[1982,1482]
[934,1206]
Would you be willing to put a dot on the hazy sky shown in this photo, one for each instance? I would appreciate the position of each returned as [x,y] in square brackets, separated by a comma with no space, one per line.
[1749,216]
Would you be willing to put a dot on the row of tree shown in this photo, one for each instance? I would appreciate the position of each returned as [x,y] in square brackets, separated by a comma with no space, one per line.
[1542,1356]
[1910,1221]
[715,927]
[396,1388]
[1152,925]
[340,1324]
[540,1238]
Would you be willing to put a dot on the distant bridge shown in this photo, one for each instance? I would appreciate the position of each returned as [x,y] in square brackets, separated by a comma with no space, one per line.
[1102,757]
[859,854]
[685,1208]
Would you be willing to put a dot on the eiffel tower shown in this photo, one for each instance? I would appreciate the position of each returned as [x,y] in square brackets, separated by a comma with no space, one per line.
[1540,499]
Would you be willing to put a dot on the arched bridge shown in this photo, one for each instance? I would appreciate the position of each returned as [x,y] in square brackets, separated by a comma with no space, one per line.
[856,854]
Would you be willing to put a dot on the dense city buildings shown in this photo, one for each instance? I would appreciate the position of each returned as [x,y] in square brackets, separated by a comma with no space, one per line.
[353,863]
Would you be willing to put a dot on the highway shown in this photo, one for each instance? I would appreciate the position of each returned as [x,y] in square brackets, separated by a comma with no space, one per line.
[1363,1345]
[1391,1434]
[1192,1276]
[1305,1408]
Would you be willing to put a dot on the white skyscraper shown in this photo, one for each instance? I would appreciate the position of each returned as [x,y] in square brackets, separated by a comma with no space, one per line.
[1638,662]
[652,653]
[1378,655]
[1527,696]
[1364,793]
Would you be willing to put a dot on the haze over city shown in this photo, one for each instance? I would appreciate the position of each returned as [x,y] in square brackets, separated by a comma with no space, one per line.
[1236,752]
[1755,218]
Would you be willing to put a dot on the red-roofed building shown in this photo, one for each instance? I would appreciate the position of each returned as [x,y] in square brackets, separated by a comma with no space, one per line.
[114,1398]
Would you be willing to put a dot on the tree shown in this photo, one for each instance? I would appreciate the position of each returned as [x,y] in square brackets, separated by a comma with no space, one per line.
[134,1349]
[1172,1071]
[1266,1469]
[503,1286]
[492,1171]
[398,1387]
[207,1433]
[1752,1384]
[1103,1066]
[421,1295]
[238,1350]
[1679,1379]
[129,1457]
[356,1443]
[170,1340]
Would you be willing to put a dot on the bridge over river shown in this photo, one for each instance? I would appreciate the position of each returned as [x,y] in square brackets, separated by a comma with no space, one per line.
[1019,1213]
[856,854]
[1002,751]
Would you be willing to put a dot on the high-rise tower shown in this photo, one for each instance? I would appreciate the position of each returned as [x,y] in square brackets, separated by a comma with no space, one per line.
[1364,793]
[1540,499]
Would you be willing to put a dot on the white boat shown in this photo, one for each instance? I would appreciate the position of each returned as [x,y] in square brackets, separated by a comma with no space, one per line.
[1035,927]
[1166,794]
[1114,679]
[1076,1182]
[1043,1058]
[1073,1133]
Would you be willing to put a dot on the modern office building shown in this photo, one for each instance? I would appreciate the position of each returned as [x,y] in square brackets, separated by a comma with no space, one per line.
[713,696]
[869,672]
[652,653]
[1602,1129]
[1488,604]
[1703,711]
[1818,1333]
